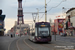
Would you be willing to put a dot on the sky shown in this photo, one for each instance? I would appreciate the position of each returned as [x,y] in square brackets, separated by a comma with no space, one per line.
[54,8]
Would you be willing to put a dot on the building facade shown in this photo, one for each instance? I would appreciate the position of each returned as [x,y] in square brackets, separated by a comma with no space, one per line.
[59,26]
[70,22]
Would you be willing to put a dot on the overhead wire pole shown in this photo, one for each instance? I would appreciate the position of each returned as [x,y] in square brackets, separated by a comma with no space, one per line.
[51,7]
[42,8]
[45,12]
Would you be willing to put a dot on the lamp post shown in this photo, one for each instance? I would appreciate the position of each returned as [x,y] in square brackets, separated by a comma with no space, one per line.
[45,12]
[38,14]
[54,32]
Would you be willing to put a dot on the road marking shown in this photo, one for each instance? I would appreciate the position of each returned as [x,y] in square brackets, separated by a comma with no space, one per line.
[9,45]
[28,45]
[55,48]
[50,44]
[18,47]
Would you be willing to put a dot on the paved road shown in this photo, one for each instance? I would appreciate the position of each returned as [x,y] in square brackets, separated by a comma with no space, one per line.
[5,42]
[22,43]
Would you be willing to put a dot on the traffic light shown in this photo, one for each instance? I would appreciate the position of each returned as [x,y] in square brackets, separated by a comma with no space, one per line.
[0,12]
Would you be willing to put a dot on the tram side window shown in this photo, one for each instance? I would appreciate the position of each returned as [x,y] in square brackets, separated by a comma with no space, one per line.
[35,31]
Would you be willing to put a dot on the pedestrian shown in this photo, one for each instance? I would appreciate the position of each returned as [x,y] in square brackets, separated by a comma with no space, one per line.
[11,34]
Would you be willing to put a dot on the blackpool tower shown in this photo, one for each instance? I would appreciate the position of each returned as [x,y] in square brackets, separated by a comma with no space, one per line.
[20,13]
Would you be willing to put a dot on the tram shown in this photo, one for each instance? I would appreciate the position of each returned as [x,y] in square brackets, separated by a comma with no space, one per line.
[40,32]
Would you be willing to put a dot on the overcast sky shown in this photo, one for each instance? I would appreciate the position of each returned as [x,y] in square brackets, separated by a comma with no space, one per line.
[10,8]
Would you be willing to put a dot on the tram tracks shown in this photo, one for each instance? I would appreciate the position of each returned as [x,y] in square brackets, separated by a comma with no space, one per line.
[12,44]
[28,45]
[17,44]
[50,46]
[25,43]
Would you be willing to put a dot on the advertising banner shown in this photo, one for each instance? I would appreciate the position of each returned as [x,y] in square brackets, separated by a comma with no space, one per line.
[60,24]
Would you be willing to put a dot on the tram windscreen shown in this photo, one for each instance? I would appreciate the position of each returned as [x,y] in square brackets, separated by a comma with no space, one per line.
[44,31]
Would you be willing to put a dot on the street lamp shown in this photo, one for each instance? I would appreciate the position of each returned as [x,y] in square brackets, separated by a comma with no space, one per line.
[54,32]
[65,8]
[38,13]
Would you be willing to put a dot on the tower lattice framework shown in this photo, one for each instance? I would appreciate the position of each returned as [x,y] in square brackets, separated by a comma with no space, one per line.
[20,13]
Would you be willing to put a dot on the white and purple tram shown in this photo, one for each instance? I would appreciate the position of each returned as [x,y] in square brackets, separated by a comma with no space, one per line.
[40,32]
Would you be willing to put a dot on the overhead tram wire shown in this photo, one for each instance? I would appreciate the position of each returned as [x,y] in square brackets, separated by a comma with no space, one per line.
[44,6]
[41,17]
[52,8]
[55,6]
[48,1]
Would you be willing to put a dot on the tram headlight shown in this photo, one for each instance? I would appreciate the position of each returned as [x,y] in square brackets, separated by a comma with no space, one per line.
[39,37]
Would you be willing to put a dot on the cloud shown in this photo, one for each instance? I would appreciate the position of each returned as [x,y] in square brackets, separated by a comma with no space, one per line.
[9,23]
[33,3]
[9,8]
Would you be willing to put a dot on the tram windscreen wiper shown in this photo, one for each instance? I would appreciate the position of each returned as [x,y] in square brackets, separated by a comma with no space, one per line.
[43,33]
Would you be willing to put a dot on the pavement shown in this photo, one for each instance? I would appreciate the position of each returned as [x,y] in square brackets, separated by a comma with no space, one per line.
[70,36]
[64,39]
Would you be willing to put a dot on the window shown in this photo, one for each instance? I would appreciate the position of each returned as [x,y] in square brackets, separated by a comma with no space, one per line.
[43,31]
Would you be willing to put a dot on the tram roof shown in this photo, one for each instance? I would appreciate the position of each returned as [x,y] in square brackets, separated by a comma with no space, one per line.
[42,23]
